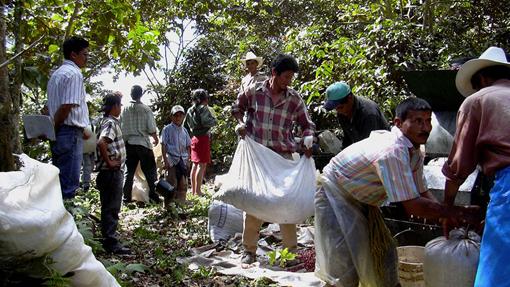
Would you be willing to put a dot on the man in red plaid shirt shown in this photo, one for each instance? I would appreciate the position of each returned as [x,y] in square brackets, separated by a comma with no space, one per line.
[271,109]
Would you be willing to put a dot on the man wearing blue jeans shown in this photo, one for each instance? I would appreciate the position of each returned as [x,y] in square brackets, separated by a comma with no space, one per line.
[69,112]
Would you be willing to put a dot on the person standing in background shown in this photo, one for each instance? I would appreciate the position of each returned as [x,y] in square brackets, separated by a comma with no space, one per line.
[252,63]
[138,125]
[111,157]
[358,116]
[68,110]
[89,148]
[199,121]
[176,148]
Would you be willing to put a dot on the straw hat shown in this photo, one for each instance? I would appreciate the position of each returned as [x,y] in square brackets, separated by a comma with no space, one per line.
[493,56]
[252,56]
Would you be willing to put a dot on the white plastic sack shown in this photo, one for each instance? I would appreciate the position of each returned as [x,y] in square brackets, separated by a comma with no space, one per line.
[224,221]
[452,262]
[329,142]
[34,223]
[268,186]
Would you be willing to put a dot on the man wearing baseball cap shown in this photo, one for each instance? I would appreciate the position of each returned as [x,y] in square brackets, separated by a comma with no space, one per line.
[358,116]
[176,148]
[482,137]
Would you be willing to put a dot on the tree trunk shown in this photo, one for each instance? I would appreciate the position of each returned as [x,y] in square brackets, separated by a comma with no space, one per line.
[6,119]
[17,100]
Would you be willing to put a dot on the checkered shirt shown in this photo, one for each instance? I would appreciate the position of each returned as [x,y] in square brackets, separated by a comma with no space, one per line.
[271,124]
[109,127]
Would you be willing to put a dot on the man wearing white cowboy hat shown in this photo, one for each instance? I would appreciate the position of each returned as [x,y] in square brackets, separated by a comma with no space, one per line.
[483,138]
[252,64]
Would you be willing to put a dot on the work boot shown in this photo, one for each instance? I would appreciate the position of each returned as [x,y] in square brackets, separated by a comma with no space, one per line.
[117,248]
[248,257]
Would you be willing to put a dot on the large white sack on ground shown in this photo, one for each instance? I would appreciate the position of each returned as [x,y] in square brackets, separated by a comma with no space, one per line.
[452,262]
[224,221]
[34,223]
[268,186]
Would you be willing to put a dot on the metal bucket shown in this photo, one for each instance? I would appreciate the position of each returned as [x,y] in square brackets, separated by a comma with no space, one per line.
[410,266]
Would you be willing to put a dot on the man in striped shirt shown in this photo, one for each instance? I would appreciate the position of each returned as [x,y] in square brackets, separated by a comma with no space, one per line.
[68,109]
[352,243]
[271,110]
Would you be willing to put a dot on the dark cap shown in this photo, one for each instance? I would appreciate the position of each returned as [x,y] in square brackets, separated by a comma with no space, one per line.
[109,101]
[336,94]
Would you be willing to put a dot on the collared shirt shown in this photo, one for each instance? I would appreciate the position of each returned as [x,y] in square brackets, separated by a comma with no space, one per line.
[381,169]
[271,123]
[138,124]
[66,87]
[110,128]
[249,81]
[199,120]
[177,141]
[483,133]
[366,117]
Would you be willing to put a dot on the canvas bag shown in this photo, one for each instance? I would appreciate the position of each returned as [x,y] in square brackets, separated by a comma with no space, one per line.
[452,262]
[34,223]
[268,186]
[224,221]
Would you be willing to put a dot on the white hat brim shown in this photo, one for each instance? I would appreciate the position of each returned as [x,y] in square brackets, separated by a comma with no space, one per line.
[259,60]
[468,69]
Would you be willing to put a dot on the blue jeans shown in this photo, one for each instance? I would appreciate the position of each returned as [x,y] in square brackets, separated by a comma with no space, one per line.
[88,166]
[67,156]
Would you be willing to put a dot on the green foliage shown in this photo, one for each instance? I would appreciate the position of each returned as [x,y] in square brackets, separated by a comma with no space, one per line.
[281,256]
[204,272]
[85,211]
[37,271]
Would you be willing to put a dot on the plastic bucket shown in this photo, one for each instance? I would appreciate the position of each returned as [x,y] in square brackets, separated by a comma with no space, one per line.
[410,265]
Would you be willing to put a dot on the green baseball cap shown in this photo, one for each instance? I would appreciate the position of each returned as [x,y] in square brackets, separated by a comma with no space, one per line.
[335,94]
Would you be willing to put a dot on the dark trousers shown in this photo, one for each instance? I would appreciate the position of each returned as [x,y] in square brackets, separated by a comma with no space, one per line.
[109,184]
[139,154]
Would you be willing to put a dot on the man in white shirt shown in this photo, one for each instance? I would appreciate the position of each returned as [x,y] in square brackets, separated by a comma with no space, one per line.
[252,64]
[69,112]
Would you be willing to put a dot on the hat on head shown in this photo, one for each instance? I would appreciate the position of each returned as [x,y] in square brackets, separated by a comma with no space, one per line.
[252,56]
[176,109]
[335,94]
[493,56]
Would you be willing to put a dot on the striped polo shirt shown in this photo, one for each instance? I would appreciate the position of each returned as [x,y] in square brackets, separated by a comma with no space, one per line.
[381,169]
[66,87]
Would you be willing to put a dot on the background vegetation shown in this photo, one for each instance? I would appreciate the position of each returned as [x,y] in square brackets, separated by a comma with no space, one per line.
[367,43]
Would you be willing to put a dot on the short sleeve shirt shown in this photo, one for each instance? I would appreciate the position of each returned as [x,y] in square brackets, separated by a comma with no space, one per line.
[381,169]
[66,87]
[177,141]
[110,128]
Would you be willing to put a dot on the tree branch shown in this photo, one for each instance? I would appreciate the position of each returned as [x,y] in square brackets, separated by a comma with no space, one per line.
[22,52]
[69,27]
